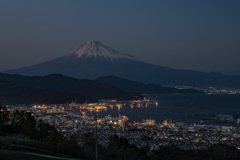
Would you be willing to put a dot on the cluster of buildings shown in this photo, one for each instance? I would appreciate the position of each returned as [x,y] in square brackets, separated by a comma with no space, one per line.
[209,90]
[148,132]
[144,133]
[222,118]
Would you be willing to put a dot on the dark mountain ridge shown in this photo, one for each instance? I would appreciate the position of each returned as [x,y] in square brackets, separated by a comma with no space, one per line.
[64,84]
[13,94]
[134,86]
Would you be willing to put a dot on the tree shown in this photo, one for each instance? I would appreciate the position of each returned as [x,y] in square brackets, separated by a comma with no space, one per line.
[89,146]
[42,130]
[54,137]
[4,117]
[70,146]
[31,118]
[17,121]
[27,129]
[119,148]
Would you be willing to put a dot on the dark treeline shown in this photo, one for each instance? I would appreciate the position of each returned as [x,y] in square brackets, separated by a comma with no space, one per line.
[24,128]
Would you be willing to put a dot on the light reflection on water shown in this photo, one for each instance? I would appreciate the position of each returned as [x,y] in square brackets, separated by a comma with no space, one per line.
[182,108]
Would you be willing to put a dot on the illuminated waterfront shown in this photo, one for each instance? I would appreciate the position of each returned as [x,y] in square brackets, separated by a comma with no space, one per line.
[180,107]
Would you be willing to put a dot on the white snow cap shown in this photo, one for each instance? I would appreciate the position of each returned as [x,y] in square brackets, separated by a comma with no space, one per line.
[97,49]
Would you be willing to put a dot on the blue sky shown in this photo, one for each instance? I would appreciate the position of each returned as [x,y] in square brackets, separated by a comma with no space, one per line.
[199,35]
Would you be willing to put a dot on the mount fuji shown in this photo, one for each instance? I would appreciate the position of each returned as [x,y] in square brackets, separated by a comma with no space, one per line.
[95,49]
[93,59]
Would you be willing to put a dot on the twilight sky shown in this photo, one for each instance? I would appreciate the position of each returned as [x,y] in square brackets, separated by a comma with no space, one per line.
[199,35]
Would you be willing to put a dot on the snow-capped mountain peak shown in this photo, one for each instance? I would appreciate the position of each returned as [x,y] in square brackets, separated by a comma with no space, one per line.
[96,49]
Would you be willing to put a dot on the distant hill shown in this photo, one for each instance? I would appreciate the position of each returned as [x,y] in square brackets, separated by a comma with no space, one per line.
[134,86]
[93,59]
[14,94]
[64,84]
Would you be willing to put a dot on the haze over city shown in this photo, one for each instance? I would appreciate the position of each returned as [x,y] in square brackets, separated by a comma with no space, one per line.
[195,35]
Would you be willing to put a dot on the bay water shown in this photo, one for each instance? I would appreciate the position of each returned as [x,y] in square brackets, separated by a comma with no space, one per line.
[183,108]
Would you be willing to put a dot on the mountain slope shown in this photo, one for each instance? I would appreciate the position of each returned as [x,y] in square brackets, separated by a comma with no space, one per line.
[94,59]
[63,84]
[95,49]
[14,94]
[134,86]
